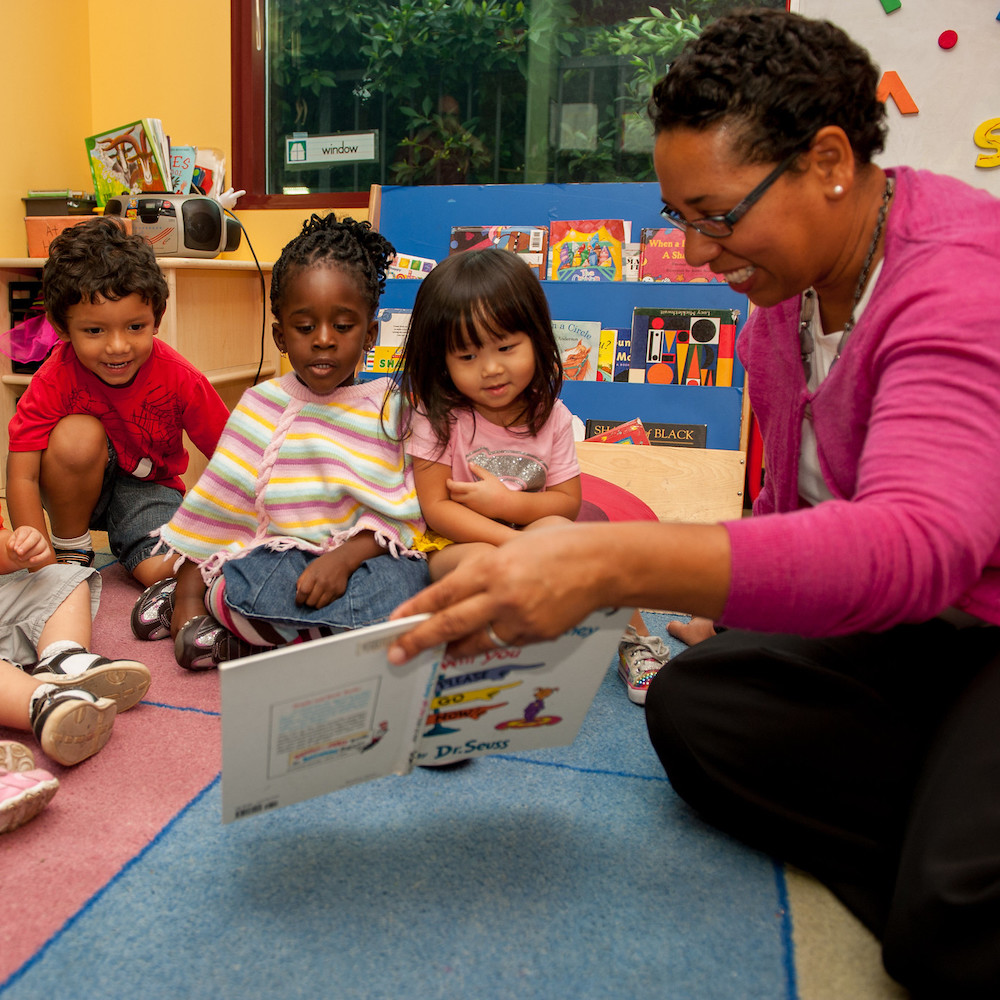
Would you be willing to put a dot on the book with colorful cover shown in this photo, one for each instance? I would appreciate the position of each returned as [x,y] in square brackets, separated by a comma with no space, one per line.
[606,355]
[622,363]
[661,258]
[409,266]
[586,249]
[384,356]
[530,243]
[182,160]
[611,432]
[312,718]
[579,343]
[683,346]
[129,159]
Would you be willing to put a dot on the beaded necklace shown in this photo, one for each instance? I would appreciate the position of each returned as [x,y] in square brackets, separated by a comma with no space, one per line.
[807,308]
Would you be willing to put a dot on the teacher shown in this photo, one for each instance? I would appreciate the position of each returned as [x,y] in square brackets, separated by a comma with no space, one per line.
[847,718]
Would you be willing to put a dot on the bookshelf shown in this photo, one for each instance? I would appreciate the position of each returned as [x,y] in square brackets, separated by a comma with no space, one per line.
[215,317]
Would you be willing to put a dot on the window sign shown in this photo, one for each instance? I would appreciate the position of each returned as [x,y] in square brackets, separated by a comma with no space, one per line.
[303,150]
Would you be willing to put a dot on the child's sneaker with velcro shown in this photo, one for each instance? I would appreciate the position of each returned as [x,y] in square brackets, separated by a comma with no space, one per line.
[153,612]
[202,644]
[70,724]
[123,681]
[23,795]
[639,659]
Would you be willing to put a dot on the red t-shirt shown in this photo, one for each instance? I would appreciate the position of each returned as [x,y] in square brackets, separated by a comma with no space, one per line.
[144,419]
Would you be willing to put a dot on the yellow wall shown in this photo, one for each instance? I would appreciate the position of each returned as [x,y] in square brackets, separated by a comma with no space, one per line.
[70,68]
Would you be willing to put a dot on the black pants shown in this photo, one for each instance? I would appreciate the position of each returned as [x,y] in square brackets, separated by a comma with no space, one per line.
[871,761]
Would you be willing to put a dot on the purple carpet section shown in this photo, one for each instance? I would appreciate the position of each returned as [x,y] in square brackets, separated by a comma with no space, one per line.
[160,756]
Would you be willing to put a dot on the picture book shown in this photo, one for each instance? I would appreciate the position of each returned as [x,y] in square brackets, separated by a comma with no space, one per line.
[677,435]
[631,253]
[182,160]
[409,266]
[531,243]
[610,432]
[661,258]
[312,718]
[392,327]
[130,159]
[579,344]
[586,249]
[606,355]
[683,346]
[623,355]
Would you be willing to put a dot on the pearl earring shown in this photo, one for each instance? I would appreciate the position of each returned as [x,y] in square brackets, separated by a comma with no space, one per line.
[838,189]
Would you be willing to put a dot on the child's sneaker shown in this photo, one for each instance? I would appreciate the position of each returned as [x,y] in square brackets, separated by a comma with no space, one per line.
[154,610]
[123,681]
[75,557]
[639,659]
[23,795]
[70,724]
[202,644]
[15,756]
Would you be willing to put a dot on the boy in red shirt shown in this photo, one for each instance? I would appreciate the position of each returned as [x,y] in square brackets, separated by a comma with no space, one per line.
[96,440]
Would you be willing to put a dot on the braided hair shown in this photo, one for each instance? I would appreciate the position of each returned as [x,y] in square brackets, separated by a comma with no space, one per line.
[347,245]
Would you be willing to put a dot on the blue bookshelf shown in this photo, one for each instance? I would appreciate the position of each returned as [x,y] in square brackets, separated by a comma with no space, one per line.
[418,221]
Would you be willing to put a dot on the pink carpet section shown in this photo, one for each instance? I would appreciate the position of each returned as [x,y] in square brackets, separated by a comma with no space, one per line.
[160,757]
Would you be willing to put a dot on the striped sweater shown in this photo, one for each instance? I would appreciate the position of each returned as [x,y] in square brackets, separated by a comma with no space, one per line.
[297,470]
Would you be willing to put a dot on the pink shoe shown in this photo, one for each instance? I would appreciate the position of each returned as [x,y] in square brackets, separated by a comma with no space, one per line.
[23,795]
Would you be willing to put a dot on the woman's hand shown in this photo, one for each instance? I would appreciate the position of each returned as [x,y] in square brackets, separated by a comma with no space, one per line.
[532,588]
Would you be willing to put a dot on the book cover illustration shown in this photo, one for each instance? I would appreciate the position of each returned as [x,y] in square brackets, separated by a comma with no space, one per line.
[606,355]
[182,160]
[519,698]
[661,258]
[383,358]
[610,432]
[579,343]
[621,366]
[129,159]
[683,346]
[311,718]
[531,243]
[586,249]
[409,266]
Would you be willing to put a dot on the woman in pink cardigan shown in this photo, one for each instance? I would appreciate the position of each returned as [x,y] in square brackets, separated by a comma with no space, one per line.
[847,718]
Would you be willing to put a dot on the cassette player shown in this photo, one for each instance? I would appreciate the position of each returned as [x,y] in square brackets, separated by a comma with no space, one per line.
[182,225]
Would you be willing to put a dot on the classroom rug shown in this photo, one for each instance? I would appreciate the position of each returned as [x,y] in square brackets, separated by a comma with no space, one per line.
[568,873]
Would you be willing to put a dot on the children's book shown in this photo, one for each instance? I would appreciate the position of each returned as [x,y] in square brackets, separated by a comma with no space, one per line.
[531,243]
[606,355]
[631,255]
[683,346]
[579,343]
[130,159]
[586,249]
[182,160]
[312,718]
[384,356]
[623,355]
[677,435]
[409,266]
[661,258]
[610,432]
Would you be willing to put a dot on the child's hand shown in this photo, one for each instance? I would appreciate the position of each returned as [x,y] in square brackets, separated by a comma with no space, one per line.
[324,579]
[27,547]
[488,496]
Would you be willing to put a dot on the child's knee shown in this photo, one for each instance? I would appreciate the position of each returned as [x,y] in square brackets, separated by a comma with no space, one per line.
[77,445]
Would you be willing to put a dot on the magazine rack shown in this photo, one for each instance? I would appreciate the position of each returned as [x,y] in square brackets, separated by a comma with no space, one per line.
[684,483]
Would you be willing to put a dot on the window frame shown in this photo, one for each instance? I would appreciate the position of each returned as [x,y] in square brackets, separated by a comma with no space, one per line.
[248,87]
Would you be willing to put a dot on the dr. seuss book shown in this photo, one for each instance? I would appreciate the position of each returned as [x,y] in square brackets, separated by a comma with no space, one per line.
[530,243]
[586,249]
[130,159]
[611,432]
[683,346]
[661,258]
[579,343]
[311,718]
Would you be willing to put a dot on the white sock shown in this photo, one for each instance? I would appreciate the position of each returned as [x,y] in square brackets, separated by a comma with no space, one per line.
[78,663]
[80,542]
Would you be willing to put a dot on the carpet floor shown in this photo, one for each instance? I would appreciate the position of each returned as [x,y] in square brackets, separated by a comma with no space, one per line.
[571,873]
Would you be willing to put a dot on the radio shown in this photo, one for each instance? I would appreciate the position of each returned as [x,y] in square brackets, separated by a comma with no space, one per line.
[178,225]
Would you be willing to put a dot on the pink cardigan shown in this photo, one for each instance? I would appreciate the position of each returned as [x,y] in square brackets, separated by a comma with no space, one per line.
[908,431]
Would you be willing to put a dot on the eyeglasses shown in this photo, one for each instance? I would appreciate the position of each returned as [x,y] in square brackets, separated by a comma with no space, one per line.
[718,226]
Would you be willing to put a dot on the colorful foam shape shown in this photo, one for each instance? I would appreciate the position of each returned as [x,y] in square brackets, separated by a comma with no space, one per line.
[890,5]
[987,136]
[947,39]
[892,86]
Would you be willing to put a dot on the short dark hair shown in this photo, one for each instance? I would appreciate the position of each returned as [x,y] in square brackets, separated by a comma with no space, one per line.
[349,245]
[491,291]
[98,257]
[779,78]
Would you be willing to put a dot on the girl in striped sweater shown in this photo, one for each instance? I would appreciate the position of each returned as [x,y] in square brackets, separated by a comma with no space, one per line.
[306,521]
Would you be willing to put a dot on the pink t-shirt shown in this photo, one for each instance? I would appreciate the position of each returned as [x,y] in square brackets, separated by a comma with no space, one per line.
[521,461]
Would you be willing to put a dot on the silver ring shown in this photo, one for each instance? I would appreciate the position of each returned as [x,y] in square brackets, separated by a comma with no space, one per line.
[495,639]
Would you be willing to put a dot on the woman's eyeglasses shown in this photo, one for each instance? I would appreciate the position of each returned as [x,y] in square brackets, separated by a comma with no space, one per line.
[718,226]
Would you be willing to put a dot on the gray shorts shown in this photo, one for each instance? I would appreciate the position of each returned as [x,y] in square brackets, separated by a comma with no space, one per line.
[130,510]
[29,600]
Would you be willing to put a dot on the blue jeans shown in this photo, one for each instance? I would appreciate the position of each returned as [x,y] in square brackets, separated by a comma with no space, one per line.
[261,585]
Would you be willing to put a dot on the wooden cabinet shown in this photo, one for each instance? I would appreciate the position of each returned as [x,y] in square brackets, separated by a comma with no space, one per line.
[218,316]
